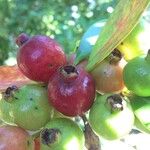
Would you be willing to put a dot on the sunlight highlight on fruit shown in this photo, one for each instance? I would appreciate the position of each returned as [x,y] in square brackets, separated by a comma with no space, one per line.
[72,144]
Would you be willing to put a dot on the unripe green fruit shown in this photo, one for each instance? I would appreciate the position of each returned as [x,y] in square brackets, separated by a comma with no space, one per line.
[62,134]
[27,107]
[141,109]
[136,75]
[137,42]
[111,116]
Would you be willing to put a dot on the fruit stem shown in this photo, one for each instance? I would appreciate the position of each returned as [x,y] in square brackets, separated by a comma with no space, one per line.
[69,73]
[114,103]
[50,136]
[147,58]
[115,56]
[92,141]
[35,135]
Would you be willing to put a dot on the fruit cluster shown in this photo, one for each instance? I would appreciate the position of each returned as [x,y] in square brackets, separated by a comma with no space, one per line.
[110,99]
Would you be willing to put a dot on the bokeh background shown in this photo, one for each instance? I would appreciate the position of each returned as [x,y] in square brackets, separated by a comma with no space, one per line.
[64,20]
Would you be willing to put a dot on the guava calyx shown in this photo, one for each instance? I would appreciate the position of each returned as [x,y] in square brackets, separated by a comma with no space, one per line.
[115,102]
[50,136]
[21,39]
[115,56]
[69,72]
[8,95]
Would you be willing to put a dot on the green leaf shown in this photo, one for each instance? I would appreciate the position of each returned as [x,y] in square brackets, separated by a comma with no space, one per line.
[88,40]
[119,25]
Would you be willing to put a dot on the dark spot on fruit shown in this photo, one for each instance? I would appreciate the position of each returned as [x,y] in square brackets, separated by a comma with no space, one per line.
[50,65]
[16,97]
[121,43]
[50,136]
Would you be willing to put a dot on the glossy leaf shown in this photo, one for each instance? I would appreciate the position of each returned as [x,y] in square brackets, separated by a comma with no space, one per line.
[88,40]
[10,75]
[119,25]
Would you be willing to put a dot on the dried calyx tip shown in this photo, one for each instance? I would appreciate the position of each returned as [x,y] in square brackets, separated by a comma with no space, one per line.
[70,69]
[21,39]
[69,72]
[9,92]
[115,102]
[50,136]
[115,56]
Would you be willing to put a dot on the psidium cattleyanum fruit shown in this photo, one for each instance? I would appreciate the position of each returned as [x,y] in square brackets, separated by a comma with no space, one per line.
[71,90]
[137,42]
[111,116]
[15,138]
[26,106]
[62,134]
[39,56]
[108,75]
[141,109]
[136,75]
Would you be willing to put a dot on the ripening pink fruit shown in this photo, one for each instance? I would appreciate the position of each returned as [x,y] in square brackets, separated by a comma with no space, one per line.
[71,90]
[15,138]
[39,56]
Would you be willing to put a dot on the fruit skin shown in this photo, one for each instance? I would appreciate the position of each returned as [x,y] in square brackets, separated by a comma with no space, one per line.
[71,91]
[37,143]
[140,126]
[13,137]
[110,124]
[108,77]
[136,75]
[28,107]
[70,137]
[39,57]
[141,109]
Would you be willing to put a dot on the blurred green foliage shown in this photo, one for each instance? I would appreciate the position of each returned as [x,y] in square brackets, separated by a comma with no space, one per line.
[64,20]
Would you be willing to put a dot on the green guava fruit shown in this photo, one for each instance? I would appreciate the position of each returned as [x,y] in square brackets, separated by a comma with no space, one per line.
[27,106]
[137,42]
[141,109]
[136,75]
[111,116]
[62,134]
